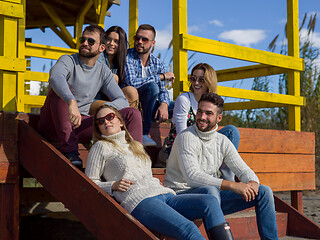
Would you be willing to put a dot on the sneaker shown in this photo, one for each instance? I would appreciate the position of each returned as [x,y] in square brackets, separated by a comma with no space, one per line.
[147,141]
[74,158]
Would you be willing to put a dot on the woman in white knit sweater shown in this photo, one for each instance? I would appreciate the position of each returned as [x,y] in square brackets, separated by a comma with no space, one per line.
[121,167]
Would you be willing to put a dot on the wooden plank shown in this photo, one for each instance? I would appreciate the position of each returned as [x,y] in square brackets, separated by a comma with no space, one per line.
[12,64]
[9,211]
[46,51]
[10,132]
[11,10]
[288,181]
[298,224]
[275,141]
[261,96]
[98,211]
[1,126]
[8,151]
[228,50]
[258,70]
[266,163]
[31,195]
[8,172]
[297,200]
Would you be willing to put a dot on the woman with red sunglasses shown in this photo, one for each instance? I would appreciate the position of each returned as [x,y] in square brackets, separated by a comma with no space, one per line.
[121,167]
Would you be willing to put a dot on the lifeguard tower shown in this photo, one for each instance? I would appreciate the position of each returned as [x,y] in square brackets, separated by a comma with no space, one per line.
[284,160]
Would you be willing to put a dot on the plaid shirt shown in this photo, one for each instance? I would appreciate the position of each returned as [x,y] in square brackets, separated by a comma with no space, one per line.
[133,73]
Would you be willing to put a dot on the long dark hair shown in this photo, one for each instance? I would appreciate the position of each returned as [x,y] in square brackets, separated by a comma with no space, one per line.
[119,60]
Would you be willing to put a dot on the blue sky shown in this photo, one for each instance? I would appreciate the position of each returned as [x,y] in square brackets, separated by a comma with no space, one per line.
[248,23]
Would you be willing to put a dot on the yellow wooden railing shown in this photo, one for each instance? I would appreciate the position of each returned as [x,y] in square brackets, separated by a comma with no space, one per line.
[268,64]
[14,50]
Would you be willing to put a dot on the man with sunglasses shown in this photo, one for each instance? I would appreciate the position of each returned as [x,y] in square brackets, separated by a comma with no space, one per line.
[193,167]
[74,82]
[147,74]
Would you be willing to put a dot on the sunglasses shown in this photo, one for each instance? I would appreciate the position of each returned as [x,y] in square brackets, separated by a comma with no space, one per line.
[91,41]
[137,38]
[194,79]
[109,117]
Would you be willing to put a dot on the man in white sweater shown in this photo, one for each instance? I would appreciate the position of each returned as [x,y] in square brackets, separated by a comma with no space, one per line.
[194,162]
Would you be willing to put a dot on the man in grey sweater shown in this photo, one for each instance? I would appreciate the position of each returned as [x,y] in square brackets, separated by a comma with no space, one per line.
[74,82]
[193,167]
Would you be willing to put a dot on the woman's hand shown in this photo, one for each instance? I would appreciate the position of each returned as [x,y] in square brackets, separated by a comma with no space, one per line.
[122,185]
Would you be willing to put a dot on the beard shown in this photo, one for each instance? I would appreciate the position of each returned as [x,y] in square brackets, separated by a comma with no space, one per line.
[88,54]
[143,50]
[209,127]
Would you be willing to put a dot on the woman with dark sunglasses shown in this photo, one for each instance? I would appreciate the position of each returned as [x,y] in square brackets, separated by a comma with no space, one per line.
[114,56]
[203,79]
[121,167]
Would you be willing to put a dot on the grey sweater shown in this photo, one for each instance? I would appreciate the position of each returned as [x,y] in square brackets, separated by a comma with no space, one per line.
[196,157]
[105,165]
[70,78]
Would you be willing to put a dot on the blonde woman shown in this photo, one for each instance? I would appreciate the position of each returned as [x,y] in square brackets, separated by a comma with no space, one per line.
[121,167]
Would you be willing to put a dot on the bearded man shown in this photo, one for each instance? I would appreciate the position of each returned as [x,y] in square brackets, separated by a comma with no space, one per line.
[74,82]
[147,74]
[193,167]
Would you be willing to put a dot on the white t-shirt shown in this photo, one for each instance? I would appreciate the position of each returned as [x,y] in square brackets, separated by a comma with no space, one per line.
[181,109]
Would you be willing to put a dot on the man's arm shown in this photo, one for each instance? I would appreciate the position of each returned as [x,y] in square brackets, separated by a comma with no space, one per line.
[59,74]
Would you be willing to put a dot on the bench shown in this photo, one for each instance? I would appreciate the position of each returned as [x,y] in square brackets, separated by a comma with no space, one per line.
[283,160]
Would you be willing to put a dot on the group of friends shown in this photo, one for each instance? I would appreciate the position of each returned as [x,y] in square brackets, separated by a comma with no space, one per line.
[100,92]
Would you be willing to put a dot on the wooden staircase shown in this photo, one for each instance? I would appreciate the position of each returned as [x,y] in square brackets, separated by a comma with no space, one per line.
[98,212]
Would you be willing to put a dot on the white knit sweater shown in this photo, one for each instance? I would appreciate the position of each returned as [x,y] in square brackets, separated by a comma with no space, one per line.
[197,156]
[105,165]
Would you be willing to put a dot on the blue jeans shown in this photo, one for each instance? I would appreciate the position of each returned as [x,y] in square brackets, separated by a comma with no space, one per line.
[172,215]
[232,202]
[233,134]
[148,95]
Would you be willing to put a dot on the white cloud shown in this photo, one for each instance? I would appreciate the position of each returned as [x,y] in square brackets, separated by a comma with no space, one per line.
[193,28]
[314,37]
[163,38]
[216,23]
[244,37]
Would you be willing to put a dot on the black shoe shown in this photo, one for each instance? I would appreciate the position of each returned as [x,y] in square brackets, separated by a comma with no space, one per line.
[220,232]
[74,158]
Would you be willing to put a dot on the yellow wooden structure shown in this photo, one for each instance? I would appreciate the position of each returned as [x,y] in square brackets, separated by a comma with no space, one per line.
[59,14]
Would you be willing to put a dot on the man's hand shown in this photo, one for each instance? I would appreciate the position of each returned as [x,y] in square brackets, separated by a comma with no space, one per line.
[74,114]
[169,76]
[255,186]
[162,112]
[122,185]
[248,191]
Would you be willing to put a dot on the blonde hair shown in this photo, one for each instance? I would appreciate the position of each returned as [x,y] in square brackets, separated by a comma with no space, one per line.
[210,76]
[134,146]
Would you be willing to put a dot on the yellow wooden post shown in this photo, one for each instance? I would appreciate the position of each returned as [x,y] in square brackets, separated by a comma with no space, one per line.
[294,82]
[11,55]
[133,20]
[180,56]
[293,50]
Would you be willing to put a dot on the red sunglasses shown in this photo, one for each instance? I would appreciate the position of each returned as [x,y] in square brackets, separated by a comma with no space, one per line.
[109,117]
